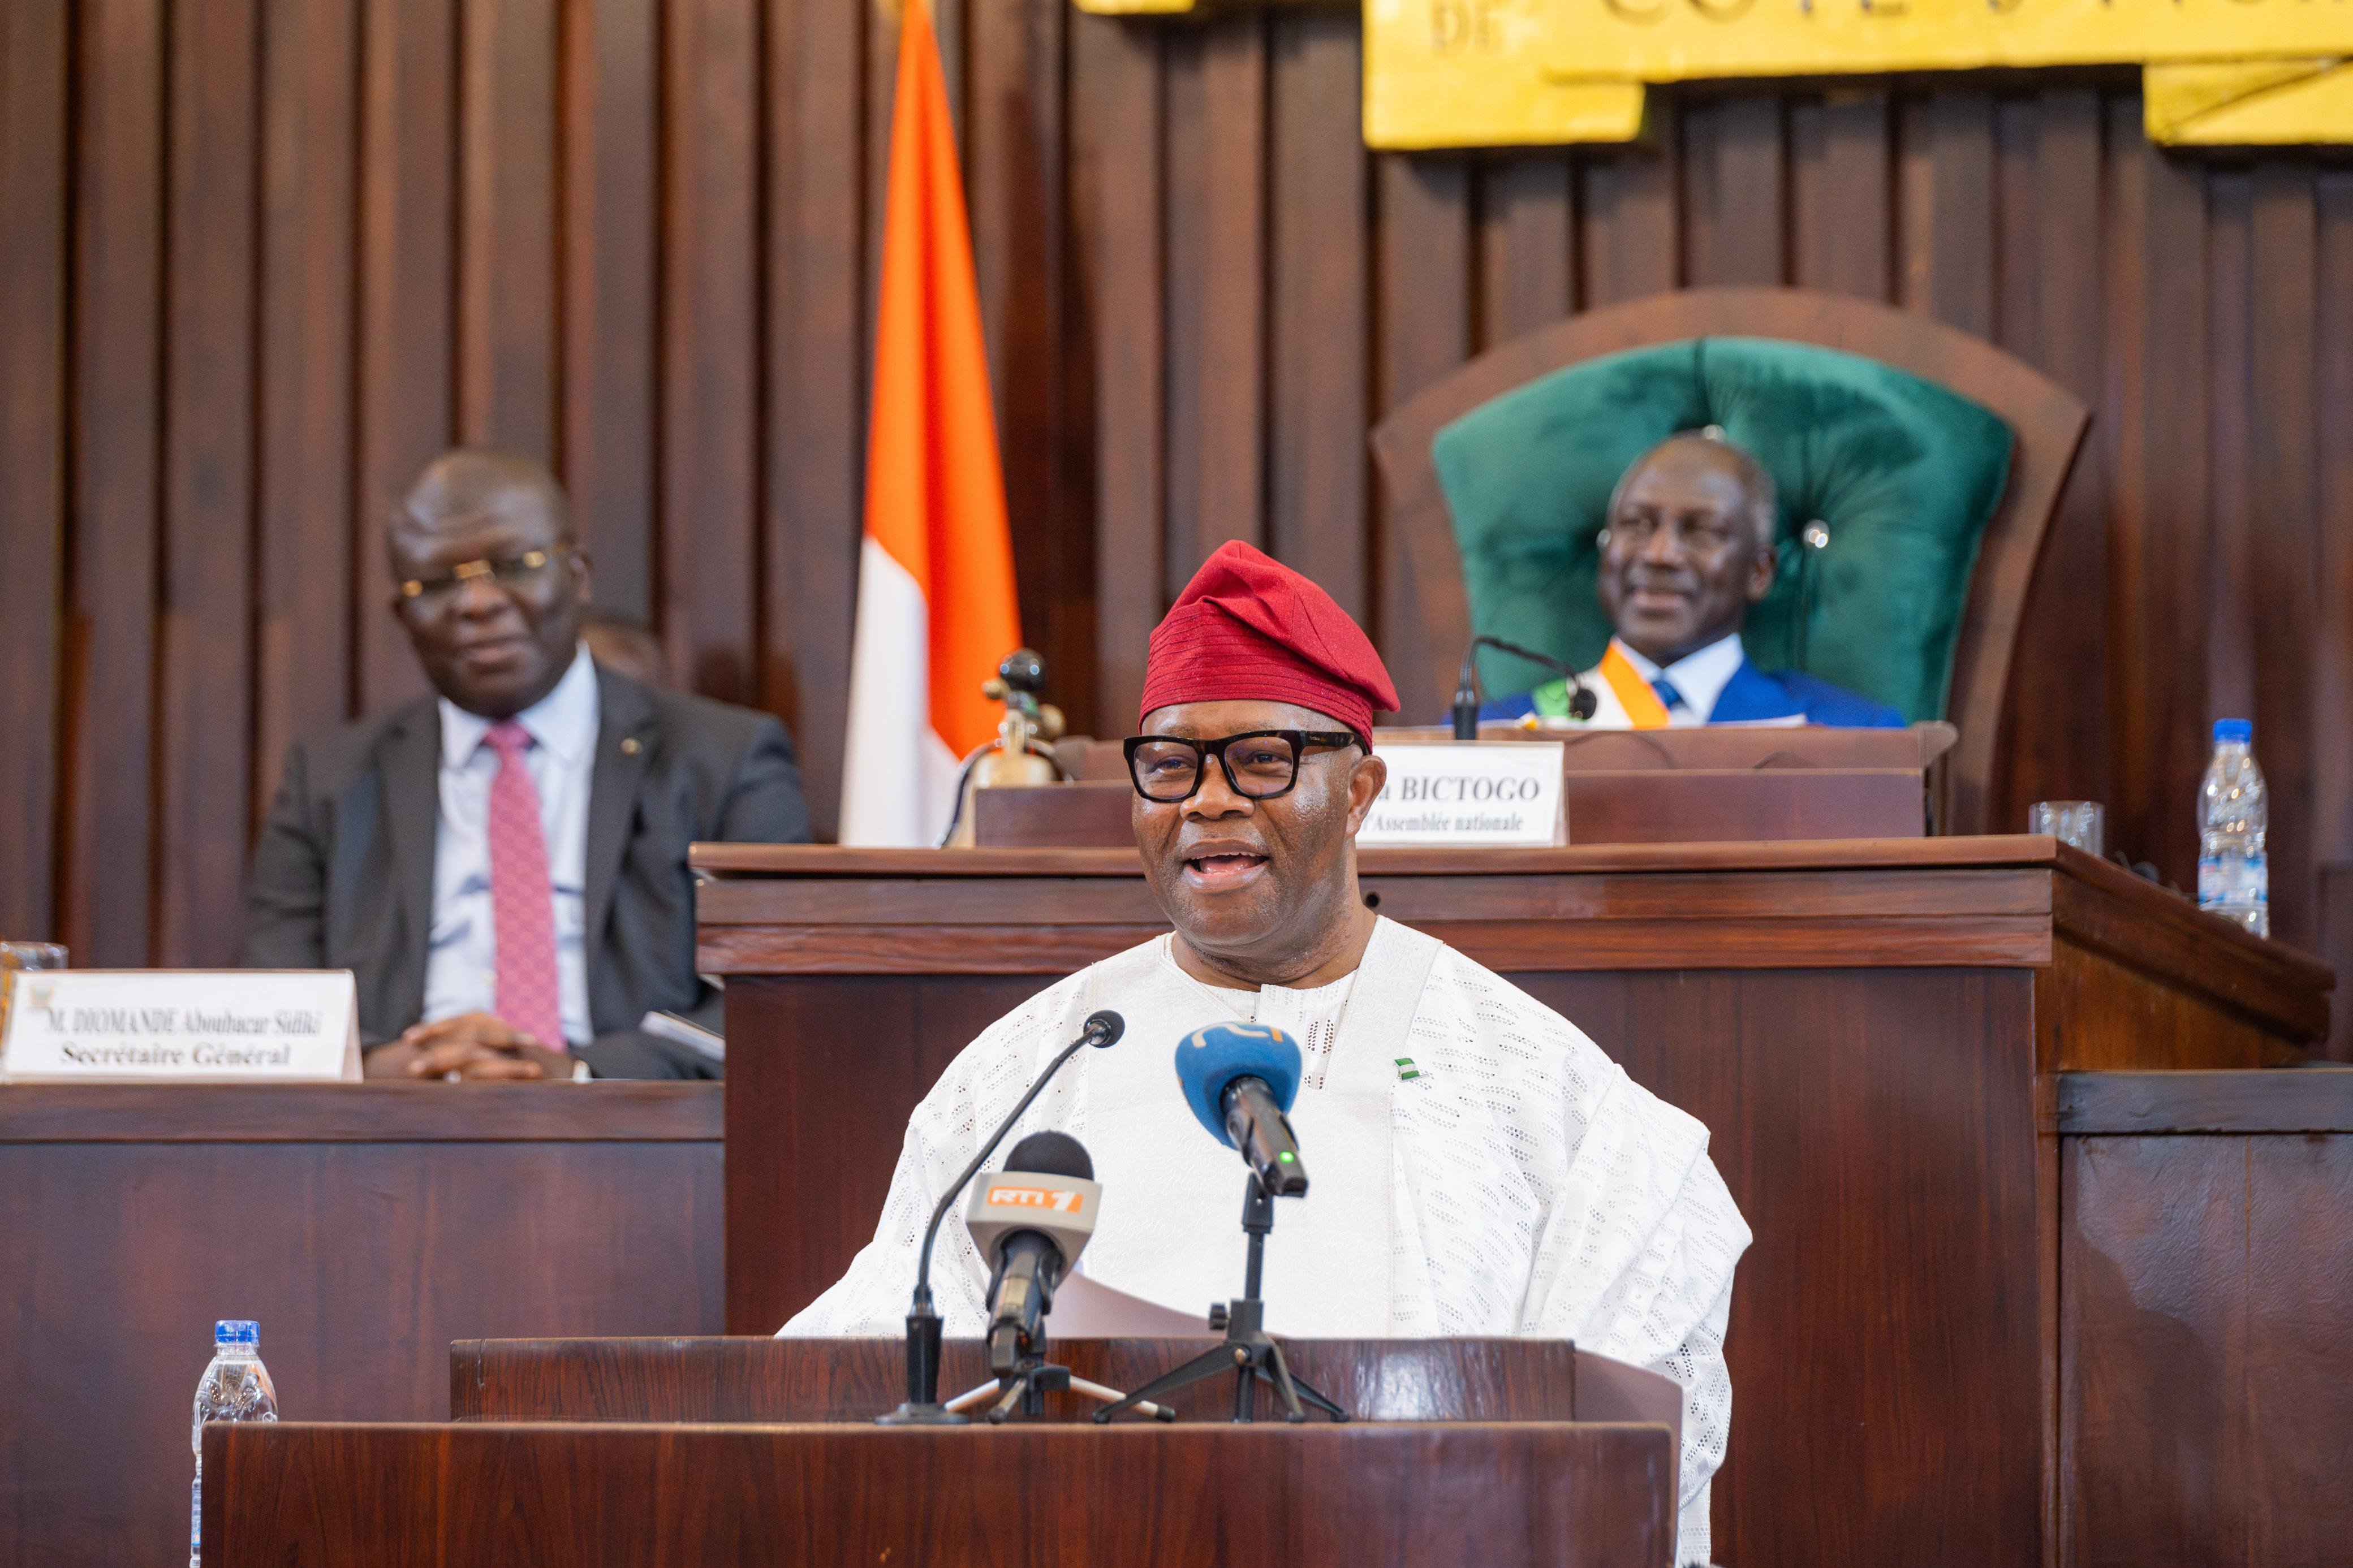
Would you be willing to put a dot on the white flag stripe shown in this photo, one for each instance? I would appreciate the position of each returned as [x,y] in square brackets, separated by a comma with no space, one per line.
[898,778]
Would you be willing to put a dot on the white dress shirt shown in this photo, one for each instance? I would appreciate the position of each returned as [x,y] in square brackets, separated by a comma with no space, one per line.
[461,961]
[1699,679]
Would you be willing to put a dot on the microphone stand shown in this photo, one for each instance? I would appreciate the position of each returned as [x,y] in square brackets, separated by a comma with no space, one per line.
[1582,703]
[924,1330]
[1025,1376]
[1030,1379]
[1248,1351]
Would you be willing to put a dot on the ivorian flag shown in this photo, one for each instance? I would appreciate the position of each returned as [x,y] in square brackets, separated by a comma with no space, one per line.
[935,603]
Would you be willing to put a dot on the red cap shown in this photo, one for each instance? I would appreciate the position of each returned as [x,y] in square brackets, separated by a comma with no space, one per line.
[1248,628]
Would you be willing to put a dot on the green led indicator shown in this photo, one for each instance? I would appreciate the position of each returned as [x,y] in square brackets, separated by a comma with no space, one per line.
[1286,1158]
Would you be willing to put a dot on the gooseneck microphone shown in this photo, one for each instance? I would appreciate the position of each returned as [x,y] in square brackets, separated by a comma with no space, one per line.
[1582,703]
[1030,1220]
[1239,1079]
[924,1328]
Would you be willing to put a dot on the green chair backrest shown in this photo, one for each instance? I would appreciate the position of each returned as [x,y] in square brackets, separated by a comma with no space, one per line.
[1902,473]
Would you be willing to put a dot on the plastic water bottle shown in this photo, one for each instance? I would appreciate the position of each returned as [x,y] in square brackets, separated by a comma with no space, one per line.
[235,1387]
[2234,814]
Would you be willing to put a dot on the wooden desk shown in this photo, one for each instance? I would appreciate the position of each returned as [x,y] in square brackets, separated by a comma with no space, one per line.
[1366,1495]
[1463,1451]
[365,1226]
[2206,1318]
[1861,1024]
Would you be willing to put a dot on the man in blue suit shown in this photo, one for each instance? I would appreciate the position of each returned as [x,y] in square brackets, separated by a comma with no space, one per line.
[1687,548]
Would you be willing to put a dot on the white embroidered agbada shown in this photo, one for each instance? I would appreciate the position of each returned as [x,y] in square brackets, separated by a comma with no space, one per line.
[1518,1184]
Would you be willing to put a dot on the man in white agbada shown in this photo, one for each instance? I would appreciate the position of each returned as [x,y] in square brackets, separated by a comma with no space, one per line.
[1479,1166]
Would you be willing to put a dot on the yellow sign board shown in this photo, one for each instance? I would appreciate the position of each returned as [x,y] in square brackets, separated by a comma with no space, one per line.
[2249,103]
[1494,73]
[1504,73]
[1681,40]
[1468,73]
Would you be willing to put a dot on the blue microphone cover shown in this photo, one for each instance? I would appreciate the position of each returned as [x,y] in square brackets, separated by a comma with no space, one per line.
[1209,1059]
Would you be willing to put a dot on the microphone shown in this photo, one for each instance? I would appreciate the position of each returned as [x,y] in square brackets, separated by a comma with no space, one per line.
[922,1407]
[1239,1079]
[1582,704]
[1031,1220]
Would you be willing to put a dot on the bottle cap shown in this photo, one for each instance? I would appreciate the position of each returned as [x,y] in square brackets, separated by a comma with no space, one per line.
[237,1331]
[2241,730]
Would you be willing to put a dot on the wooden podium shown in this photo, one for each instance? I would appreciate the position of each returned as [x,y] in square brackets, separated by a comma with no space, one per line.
[1619,786]
[1870,1030]
[598,1454]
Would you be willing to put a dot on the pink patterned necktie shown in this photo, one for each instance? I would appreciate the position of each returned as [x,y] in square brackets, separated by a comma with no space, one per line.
[523,901]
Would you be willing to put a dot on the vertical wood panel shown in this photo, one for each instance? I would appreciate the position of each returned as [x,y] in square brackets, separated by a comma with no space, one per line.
[1116,206]
[2057,711]
[815,361]
[2332,695]
[1947,235]
[1736,170]
[1633,206]
[1014,149]
[408,126]
[1217,289]
[2229,645]
[2284,526]
[105,914]
[1316,330]
[1527,236]
[881,18]
[506,226]
[204,772]
[33,158]
[2157,404]
[2016,231]
[1840,188]
[310,116]
[605,289]
[708,309]
[1422,323]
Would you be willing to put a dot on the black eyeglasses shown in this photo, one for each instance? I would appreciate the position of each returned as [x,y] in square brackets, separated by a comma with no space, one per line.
[431,595]
[1258,763]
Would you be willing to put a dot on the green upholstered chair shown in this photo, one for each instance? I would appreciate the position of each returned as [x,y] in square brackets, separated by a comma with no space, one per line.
[1917,470]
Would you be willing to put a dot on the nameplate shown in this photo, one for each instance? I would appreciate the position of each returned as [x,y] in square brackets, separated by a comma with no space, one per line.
[179,1025]
[1502,794]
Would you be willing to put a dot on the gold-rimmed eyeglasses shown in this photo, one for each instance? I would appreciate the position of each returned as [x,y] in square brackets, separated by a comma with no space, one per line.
[508,573]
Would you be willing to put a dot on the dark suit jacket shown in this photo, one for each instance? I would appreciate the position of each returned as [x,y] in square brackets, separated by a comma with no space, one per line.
[343,877]
[1752,694]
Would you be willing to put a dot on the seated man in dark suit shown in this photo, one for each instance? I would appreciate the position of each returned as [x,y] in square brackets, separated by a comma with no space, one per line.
[1688,548]
[504,865]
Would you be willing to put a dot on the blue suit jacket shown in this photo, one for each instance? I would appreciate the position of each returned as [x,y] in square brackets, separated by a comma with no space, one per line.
[1752,695]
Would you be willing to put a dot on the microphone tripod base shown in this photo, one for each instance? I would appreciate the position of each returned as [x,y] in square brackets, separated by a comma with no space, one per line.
[1027,1387]
[922,1415]
[1254,1357]
[1249,1352]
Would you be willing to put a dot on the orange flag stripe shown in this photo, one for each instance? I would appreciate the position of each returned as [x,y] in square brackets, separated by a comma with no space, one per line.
[935,488]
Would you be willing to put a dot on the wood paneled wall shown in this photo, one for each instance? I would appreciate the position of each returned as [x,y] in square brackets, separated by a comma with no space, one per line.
[265,257]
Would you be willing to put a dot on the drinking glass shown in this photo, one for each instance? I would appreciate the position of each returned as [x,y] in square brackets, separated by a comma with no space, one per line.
[17,955]
[2081,823]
